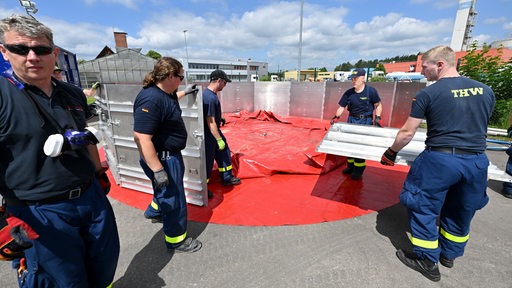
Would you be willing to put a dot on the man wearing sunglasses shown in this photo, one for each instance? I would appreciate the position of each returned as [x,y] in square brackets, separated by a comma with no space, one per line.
[57,195]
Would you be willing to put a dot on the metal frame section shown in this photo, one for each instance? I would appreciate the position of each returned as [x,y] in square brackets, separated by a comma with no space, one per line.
[116,123]
[370,142]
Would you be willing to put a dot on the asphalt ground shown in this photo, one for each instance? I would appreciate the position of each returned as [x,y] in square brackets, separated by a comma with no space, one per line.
[356,252]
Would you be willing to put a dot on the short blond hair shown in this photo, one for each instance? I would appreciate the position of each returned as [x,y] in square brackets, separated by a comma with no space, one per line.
[440,53]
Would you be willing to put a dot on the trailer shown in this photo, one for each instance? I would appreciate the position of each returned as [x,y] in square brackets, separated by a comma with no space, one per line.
[66,61]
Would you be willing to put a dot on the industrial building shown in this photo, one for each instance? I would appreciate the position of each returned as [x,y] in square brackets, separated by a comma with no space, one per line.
[129,65]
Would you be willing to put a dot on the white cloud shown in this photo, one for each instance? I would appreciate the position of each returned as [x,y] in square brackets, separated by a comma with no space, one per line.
[491,21]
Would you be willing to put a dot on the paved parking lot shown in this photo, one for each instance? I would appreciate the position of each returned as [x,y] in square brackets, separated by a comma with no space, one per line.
[357,252]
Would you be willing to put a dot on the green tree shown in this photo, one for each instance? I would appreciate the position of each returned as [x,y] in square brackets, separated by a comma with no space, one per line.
[153,54]
[380,67]
[344,67]
[479,65]
[265,78]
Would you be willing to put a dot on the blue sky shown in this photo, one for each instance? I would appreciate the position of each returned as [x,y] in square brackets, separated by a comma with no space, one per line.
[334,31]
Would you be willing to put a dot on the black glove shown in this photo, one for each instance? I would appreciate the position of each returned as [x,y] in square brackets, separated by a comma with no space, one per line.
[161,179]
[509,131]
[376,122]
[388,158]
[509,151]
[222,121]
[191,88]
[15,236]
[334,117]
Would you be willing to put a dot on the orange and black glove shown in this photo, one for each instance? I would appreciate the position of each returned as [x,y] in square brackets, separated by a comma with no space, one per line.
[103,178]
[376,122]
[334,118]
[104,182]
[388,158]
[15,236]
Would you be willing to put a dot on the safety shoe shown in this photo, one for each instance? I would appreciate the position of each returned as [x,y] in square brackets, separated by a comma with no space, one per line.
[357,173]
[348,170]
[189,245]
[445,261]
[231,182]
[154,219]
[426,267]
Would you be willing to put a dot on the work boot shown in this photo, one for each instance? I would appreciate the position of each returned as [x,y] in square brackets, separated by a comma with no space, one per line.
[154,219]
[426,267]
[445,261]
[357,173]
[232,181]
[349,169]
[189,245]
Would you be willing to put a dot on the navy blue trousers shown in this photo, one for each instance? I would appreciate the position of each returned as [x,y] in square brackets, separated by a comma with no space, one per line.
[451,188]
[170,201]
[78,244]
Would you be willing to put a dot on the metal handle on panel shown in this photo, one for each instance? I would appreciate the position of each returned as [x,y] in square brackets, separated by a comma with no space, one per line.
[197,134]
[115,122]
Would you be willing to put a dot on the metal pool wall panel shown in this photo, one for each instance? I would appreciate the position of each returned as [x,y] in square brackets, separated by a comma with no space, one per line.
[116,123]
[306,99]
[272,96]
[237,96]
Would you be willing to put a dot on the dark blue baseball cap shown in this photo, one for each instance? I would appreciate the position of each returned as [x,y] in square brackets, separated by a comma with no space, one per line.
[357,72]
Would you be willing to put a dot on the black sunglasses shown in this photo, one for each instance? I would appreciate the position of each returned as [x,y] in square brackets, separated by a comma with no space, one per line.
[24,49]
[181,77]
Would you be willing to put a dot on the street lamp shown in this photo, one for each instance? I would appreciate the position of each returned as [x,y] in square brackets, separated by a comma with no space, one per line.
[186,53]
[300,37]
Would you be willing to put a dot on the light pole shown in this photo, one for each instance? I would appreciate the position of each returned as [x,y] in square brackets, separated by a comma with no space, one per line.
[186,53]
[300,37]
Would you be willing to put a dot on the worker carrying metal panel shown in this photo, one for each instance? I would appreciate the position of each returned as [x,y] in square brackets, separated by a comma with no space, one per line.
[448,180]
[361,101]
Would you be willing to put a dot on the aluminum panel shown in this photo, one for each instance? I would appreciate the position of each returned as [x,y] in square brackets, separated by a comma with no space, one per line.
[237,96]
[120,93]
[333,92]
[116,122]
[306,99]
[272,96]
[122,123]
[404,93]
[386,93]
[369,142]
[194,154]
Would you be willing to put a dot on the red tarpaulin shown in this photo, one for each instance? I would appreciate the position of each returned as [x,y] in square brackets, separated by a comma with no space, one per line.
[284,181]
